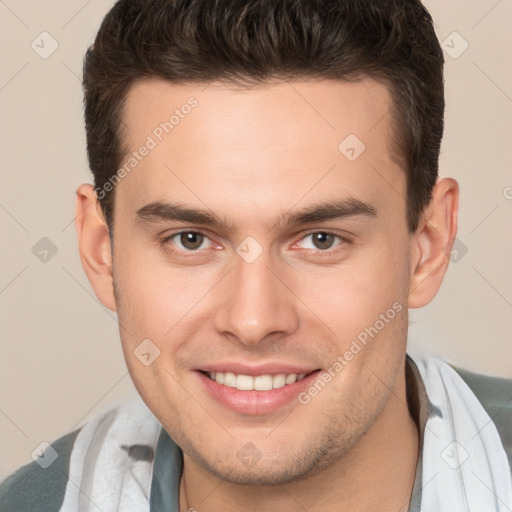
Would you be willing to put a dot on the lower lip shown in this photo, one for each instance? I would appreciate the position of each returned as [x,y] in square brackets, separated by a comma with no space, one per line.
[255,402]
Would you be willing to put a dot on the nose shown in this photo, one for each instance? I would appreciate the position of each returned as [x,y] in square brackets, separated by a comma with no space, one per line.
[254,303]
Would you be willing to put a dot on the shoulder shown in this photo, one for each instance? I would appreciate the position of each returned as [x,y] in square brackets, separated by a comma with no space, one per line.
[39,485]
[495,395]
[111,455]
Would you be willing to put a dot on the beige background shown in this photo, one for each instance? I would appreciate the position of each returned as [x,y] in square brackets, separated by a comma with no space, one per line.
[61,361]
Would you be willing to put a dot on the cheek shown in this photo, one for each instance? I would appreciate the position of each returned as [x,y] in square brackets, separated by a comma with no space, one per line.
[154,296]
[352,297]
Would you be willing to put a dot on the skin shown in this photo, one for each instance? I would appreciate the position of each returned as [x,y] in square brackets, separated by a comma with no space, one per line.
[250,156]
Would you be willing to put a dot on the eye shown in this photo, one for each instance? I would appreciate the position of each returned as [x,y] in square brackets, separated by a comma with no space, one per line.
[321,240]
[189,240]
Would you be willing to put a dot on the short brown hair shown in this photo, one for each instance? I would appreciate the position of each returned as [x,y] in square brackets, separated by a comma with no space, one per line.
[254,41]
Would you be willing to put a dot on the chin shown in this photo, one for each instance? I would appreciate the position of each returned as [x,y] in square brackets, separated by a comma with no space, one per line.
[279,469]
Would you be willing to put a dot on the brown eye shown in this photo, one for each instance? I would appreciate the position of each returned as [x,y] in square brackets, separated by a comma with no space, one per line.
[191,240]
[323,240]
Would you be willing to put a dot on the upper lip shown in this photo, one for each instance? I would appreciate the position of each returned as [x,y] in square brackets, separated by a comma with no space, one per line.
[255,370]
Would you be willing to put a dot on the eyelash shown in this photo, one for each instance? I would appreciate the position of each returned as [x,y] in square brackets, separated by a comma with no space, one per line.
[318,253]
[186,254]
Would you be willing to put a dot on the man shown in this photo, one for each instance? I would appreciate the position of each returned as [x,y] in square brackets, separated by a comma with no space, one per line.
[266,209]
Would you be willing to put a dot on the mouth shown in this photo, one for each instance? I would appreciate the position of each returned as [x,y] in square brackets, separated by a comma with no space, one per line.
[252,391]
[265,382]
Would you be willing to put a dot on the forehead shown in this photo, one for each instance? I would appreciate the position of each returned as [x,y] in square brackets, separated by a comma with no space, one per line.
[222,145]
[310,108]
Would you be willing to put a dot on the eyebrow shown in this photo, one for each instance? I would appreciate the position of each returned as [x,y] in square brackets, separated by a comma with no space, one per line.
[338,209]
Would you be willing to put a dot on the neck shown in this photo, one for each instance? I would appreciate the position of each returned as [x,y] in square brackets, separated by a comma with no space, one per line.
[376,474]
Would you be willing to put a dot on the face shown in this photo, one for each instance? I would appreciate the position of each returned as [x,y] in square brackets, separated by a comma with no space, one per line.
[264,252]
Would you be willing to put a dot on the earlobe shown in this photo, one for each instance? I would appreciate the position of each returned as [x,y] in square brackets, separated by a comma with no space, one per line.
[94,245]
[432,243]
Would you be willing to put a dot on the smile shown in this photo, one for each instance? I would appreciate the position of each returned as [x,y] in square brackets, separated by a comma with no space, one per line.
[265,382]
[255,390]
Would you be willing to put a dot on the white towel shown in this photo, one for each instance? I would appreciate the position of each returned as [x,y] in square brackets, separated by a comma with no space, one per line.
[102,475]
[464,467]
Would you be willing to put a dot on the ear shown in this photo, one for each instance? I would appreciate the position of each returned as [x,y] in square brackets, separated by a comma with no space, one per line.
[432,243]
[94,245]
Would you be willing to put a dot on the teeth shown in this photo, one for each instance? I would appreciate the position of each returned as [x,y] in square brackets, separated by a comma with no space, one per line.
[230,380]
[259,383]
[244,382]
[290,379]
[263,383]
[278,381]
